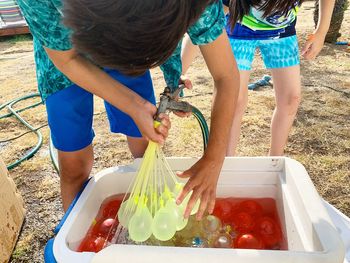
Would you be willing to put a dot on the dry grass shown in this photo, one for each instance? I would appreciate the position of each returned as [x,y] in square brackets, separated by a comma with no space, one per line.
[320,138]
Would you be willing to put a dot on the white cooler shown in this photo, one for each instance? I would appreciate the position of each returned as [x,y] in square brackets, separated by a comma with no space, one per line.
[309,230]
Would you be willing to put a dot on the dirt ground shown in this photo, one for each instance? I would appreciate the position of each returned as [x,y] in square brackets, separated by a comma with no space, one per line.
[320,138]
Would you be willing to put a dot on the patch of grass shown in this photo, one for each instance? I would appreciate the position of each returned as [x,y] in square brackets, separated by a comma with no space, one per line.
[20,252]
[23,247]
[48,188]
[16,38]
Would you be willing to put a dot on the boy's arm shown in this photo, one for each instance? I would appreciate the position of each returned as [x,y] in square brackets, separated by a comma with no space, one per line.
[315,42]
[44,20]
[203,176]
[188,53]
[85,74]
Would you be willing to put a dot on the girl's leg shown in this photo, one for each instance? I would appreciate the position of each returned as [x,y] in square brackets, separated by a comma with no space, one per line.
[287,85]
[244,54]
[240,109]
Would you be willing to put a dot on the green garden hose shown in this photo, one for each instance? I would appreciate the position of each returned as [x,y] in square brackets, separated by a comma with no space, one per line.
[13,112]
[20,110]
[203,124]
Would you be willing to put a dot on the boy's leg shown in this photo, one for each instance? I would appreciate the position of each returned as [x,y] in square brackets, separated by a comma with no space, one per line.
[286,82]
[243,51]
[75,168]
[137,146]
[282,57]
[70,113]
[241,106]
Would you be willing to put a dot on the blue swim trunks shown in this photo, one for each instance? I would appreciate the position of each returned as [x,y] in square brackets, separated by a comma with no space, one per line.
[70,113]
[276,53]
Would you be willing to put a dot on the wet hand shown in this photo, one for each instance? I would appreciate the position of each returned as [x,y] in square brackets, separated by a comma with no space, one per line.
[203,177]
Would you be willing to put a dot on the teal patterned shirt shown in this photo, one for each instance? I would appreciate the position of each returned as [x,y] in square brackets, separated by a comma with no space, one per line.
[44,18]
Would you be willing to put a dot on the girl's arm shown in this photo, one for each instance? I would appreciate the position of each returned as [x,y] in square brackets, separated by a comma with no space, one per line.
[315,42]
[85,74]
[203,175]
[226,9]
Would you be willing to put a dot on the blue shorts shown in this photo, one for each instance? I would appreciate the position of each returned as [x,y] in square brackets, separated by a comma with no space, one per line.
[70,113]
[276,53]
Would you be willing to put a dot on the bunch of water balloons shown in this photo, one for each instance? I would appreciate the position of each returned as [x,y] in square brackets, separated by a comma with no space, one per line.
[150,208]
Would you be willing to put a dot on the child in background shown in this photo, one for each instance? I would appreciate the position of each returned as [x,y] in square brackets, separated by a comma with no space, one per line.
[127,38]
[270,26]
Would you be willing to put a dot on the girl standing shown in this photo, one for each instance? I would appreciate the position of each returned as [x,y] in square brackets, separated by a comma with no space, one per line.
[270,26]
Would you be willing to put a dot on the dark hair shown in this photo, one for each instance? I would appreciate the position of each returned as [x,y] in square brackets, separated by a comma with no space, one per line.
[130,35]
[240,8]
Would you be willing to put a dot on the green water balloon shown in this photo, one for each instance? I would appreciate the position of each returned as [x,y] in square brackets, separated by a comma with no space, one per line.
[140,224]
[185,202]
[181,222]
[167,194]
[177,190]
[164,224]
[124,214]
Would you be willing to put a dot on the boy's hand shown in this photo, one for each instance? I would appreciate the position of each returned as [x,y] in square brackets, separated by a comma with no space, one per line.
[188,85]
[203,178]
[313,45]
[163,128]
[143,117]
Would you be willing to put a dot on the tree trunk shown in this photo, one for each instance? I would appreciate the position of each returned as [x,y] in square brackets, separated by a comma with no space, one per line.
[337,19]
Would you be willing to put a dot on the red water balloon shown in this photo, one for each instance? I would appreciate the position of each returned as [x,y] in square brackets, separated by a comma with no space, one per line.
[111,208]
[251,207]
[243,222]
[223,209]
[92,244]
[249,241]
[104,226]
[269,231]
